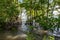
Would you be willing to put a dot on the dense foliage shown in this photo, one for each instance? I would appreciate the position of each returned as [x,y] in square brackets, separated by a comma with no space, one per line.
[42,12]
[8,12]
[39,10]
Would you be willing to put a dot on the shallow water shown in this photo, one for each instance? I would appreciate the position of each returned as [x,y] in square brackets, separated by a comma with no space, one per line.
[12,36]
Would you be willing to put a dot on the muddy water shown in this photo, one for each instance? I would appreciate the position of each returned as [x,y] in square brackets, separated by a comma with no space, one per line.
[12,36]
